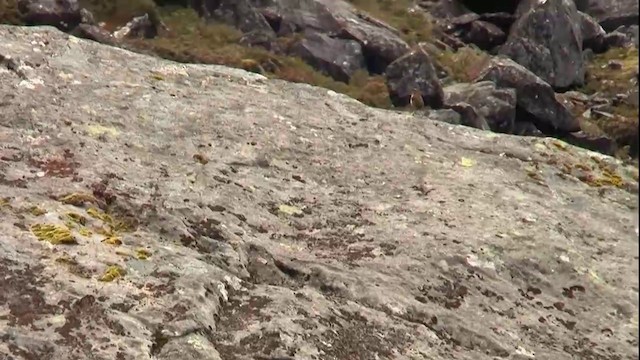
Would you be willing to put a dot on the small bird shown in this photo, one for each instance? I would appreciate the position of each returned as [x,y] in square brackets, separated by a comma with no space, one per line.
[416,100]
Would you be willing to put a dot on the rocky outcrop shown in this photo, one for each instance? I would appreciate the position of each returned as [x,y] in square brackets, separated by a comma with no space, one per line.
[496,105]
[547,40]
[535,98]
[156,210]
[338,58]
[612,14]
[472,30]
[414,72]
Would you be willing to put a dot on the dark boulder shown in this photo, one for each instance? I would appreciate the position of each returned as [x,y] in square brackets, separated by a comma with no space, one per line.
[526,128]
[546,39]
[611,14]
[338,58]
[411,73]
[599,143]
[535,99]
[496,105]
[238,13]
[593,35]
[502,20]
[469,116]
[63,14]
[381,43]
[470,29]
[95,33]
[623,37]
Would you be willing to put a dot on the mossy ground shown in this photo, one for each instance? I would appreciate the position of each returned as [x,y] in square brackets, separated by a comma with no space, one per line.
[609,74]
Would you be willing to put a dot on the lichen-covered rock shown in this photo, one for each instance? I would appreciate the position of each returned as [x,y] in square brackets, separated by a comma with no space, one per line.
[547,40]
[219,215]
[411,73]
[534,97]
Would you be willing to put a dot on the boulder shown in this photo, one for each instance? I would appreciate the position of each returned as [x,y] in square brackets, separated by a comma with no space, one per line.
[623,37]
[381,43]
[602,144]
[238,13]
[534,97]
[470,29]
[547,40]
[95,33]
[496,105]
[593,35]
[503,20]
[338,58]
[63,14]
[611,14]
[414,72]
[469,116]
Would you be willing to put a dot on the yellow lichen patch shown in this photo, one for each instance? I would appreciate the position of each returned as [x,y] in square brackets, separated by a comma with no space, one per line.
[112,240]
[112,272]
[85,232]
[55,234]
[5,202]
[142,254]
[560,145]
[78,199]
[76,218]
[37,211]
[97,214]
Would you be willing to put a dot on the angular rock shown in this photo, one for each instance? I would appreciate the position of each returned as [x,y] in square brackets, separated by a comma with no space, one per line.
[593,35]
[469,116]
[623,37]
[502,20]
[534,97]
[496,105]
[414,72]
[63,14]
[526,128]
[601,144]
[611,14]
[338,58]
[470,29]
[380,42]
[547,40]
[448,116]
[95,33]
[238,13]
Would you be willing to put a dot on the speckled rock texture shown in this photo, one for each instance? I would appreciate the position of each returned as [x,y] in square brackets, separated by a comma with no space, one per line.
[155,210]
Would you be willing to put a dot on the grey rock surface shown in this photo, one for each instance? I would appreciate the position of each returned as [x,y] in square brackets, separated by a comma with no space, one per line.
[496,105]
[414,73]
[337,58]
[534,97]
[155,210]
[547,39]
[614,13]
